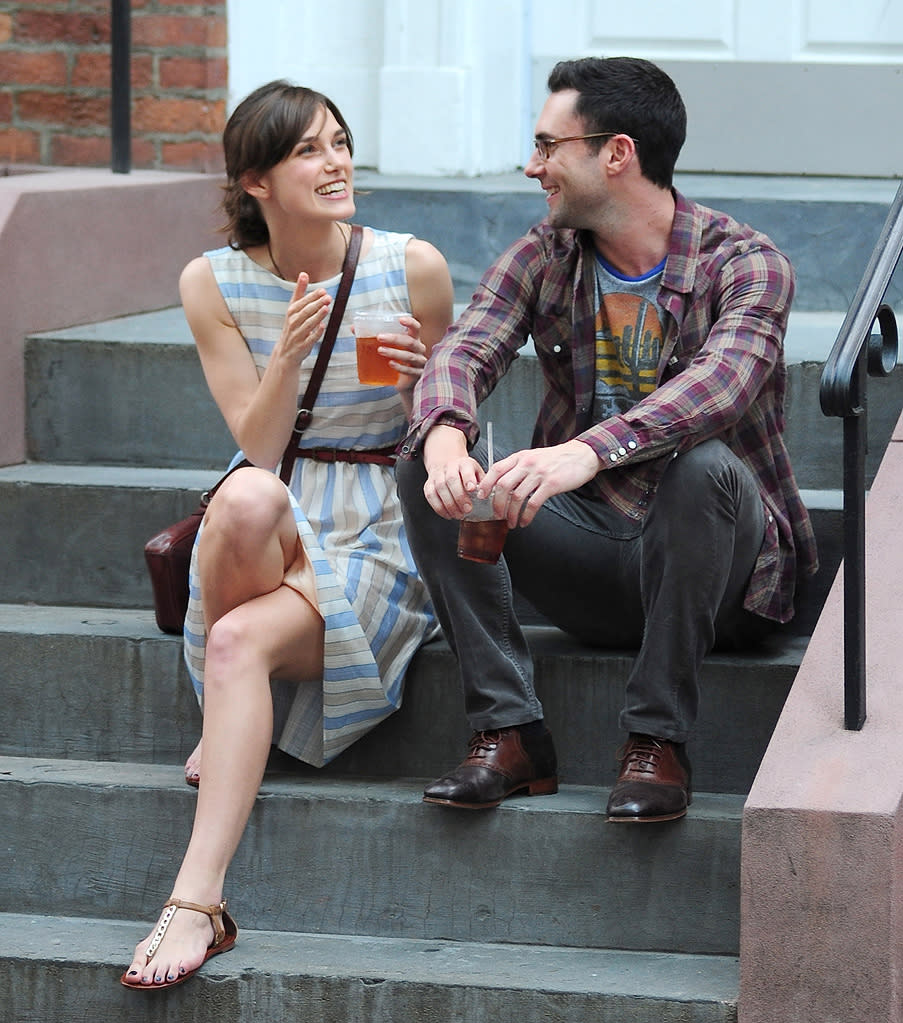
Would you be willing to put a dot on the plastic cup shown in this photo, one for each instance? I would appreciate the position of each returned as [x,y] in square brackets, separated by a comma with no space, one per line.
[373,368]
[481,536]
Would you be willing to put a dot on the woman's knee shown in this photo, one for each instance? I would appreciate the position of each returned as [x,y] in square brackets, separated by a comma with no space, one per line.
[230,642]
[247,507]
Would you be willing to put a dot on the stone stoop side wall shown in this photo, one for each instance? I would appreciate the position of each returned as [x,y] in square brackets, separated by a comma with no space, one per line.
[141,229]
[821,933]
[55,88]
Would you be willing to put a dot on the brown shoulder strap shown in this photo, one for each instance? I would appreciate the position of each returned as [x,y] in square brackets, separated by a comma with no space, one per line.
[305,413]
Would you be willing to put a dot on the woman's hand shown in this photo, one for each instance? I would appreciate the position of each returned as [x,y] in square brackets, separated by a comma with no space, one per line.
[305,320]
[406,352]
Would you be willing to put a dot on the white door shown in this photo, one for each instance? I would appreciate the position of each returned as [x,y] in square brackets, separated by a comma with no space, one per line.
[771,86]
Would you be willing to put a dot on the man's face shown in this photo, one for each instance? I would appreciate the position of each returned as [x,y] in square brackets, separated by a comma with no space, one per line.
[571,175]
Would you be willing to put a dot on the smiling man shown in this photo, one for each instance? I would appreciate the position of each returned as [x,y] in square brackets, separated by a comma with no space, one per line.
[656,507]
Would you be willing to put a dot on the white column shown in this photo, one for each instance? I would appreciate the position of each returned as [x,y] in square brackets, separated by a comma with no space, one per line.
[453,87]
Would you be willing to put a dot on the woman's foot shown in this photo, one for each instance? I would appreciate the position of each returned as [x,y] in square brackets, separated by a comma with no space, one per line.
[186,935]
[193,767]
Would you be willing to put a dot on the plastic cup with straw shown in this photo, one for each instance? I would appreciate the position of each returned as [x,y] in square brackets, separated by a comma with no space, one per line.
[481,536]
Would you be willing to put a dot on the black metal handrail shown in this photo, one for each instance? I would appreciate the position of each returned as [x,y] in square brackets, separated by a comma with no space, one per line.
[856,355]
[121,86]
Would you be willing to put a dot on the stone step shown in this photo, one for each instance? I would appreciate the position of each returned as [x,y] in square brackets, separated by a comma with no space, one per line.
[91,523]
[104,684]
[53,969]
[826,226]
[130,391]
[368,857]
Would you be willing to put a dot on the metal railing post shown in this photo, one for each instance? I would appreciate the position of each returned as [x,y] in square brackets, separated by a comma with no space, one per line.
[121,87]
[855,433]
[858,354]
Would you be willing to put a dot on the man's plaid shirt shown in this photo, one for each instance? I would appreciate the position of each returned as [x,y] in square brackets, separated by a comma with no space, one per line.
[725,295]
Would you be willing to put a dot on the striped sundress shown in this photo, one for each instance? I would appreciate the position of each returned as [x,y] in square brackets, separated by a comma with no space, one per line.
[375,608]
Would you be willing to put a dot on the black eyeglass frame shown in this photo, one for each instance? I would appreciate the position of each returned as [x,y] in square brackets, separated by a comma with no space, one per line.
[546,147]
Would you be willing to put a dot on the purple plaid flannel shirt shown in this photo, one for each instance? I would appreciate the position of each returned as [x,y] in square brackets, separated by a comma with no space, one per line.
[726,292]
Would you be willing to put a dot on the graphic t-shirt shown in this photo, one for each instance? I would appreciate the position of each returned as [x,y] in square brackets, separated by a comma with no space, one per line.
[628,338]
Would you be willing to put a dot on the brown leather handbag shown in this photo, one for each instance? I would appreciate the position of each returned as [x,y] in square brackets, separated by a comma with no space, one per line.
[168,554]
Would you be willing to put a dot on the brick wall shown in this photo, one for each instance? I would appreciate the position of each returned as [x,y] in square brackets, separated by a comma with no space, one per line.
[55,83]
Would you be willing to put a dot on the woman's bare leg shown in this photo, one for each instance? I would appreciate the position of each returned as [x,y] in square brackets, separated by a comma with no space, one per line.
[256,627]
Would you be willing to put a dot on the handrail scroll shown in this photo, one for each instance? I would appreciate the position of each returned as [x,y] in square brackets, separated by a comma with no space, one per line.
[856,355]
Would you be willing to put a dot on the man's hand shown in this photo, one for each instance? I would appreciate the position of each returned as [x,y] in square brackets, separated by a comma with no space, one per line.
[452,475]
[524,480]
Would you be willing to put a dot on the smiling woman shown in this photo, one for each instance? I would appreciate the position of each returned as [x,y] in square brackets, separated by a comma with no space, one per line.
[304,607]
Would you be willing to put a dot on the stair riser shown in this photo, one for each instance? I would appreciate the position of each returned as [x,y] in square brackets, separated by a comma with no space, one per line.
[355,863]
[163,414]
[95,535]
[129,699]
[123,404]
[49,991]
[829,242]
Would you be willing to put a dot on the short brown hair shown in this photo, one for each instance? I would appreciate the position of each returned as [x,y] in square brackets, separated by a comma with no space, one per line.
[261,132]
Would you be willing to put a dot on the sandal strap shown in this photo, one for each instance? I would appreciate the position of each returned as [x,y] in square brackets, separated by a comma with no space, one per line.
[215,912]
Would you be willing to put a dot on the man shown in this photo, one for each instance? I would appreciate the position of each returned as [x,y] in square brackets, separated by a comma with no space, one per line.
[657,506]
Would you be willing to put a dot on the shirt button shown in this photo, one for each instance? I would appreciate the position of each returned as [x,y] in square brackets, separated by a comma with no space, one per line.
[631,444]
[622,451]
[613,457]
[557,349]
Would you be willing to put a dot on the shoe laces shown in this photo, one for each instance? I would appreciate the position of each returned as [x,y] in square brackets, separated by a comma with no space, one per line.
[641,754]
[482,743]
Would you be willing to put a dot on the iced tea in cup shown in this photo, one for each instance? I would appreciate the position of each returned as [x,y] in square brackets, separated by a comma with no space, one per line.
[481,536]
[373,368]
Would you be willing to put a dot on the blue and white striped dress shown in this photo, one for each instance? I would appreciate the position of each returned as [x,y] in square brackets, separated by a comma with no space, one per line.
[375,608]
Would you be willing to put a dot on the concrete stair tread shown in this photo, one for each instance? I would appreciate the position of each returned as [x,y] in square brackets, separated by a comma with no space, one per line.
[106,666]
[127,476]
[139,623]
[810,335]
[315,785]
[293,967]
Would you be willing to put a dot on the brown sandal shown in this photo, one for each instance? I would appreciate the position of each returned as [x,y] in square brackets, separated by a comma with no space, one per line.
[225,933]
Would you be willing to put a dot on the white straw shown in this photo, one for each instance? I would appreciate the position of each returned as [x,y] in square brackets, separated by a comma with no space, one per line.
[489,441]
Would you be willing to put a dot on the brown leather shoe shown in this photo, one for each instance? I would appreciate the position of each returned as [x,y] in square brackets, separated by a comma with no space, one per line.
[500,763]
[653,783]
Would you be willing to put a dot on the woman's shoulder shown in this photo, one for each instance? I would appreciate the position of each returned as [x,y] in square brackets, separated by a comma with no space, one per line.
[384,241]
[225,255]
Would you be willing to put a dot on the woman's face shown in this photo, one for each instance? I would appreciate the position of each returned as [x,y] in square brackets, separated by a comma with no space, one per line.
[315,180]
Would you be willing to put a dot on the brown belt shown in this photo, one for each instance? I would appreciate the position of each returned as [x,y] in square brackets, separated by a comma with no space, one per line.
[383,456]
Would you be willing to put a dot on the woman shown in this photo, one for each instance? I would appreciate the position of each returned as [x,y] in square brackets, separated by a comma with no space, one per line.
[305,607]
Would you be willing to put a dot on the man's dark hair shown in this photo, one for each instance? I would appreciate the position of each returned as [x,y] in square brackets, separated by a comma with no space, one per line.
[630,96]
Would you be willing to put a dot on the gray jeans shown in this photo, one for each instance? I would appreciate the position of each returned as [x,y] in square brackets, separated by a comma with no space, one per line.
[672,586]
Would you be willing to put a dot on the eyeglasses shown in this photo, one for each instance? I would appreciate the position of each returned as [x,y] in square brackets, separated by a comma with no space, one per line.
[545,147]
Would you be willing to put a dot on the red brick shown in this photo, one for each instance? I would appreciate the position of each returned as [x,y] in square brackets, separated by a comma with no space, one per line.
[196,156]
[20,146]
[161,30]
[63,108]
[210,10]
[178,116]
[217,33]
[144,154]
[34,68]
[192,73]
[6,28]
[72,29]
[6,108]
[91,70]
[80,150]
